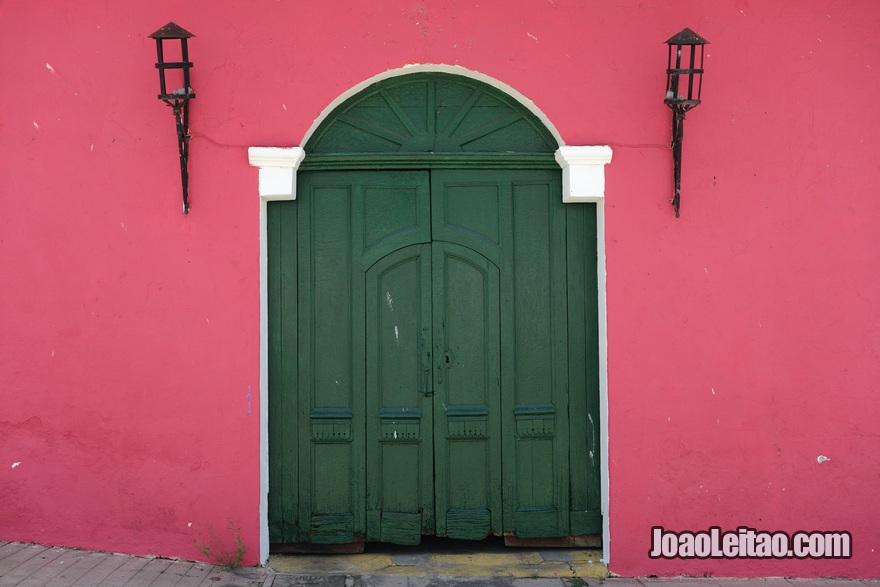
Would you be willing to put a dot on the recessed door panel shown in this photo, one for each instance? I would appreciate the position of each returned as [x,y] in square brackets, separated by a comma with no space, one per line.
[467,386]
[399,407]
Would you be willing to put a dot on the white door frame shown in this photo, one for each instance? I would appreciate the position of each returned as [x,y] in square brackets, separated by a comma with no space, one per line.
[583,180]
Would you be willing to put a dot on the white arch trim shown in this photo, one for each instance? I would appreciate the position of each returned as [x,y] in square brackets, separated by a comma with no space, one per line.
[583,180]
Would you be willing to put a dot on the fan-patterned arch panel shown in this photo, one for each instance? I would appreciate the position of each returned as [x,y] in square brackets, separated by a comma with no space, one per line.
[434,115]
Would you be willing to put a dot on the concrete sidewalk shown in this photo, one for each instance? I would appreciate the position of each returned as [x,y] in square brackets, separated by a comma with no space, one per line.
[39,566]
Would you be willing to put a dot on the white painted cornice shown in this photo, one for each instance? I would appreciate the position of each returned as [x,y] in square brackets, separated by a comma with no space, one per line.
[583,172]
[278,167]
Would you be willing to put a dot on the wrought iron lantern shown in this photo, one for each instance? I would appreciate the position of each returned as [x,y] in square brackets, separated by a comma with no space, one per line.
[684,82]
[178,98]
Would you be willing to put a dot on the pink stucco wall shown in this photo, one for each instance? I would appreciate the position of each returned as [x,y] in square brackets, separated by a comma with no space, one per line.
[743,338]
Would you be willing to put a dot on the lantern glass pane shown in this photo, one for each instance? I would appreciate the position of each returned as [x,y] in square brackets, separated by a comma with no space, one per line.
[176,77]
[174,81]
[171,48]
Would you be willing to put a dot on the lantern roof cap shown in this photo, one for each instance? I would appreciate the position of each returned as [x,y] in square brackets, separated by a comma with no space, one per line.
[687,37]
[172,31]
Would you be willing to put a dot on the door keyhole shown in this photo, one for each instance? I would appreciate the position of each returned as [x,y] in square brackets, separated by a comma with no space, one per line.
[448,358]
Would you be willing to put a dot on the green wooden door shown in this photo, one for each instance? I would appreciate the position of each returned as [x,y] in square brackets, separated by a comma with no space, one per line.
[399,407]
[467,386]
[431,358]
[433,380]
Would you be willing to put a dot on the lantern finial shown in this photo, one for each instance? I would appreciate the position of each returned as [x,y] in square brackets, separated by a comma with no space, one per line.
[172,31]
[685,37]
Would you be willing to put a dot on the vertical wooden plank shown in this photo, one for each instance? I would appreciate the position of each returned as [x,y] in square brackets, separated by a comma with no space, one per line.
[331,295]
[591,364]
[391,212]
[586,515]
[467,382]
[276,354]
[508,360]
[305,356]
[534,515]
[559,318]
[541,404]
[577,336]
[283,353]
[532,216]
[289,366]
[331,381]
[400,456]
[358,244]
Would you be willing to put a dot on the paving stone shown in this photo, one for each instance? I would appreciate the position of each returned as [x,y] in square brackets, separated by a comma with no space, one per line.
[149,573]
[174,573]
[29,567]
[194,576]
[70,575]
[471,581]
[379,581]
[682,581]
[244,577]
[615,582]
[7,548]
[9,563]
[757,582]
[53,568]
[101,571]
[539,583]
[558,556]
[309,581]
[407,560]
[124,573]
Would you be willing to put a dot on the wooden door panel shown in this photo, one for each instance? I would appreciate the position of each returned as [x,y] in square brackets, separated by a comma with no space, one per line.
[539,481]
[392,210]
[532,252]
[398,404]
[467,384]
[331,461]
[466,208]
[583,367]
[283,373]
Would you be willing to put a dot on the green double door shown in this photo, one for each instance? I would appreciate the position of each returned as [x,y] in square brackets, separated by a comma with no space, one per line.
[432,358]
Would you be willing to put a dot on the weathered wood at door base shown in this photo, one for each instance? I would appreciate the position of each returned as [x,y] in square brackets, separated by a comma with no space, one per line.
[584,541]
[356,547]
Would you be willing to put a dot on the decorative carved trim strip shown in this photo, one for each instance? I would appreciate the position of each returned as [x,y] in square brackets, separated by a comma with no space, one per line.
[467,422]
[400,424]
[331,424]
[535,420]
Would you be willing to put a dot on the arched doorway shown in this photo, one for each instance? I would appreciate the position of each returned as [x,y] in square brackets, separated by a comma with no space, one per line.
[432,327]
